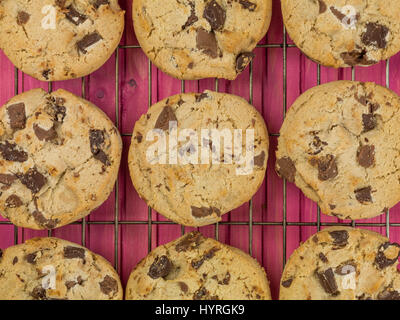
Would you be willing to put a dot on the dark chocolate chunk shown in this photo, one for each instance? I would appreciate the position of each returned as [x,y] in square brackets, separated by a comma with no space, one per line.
[108,285]
[13,201]
[355,57]
[7,179]
[201,294]
[15,260]
[74,252]
[165,117]
[287,283]
[381,261]
[42,221]
[196,264]
[11,152]
[30,258]
[39,293]
[225,281]
[316,146]
[259,160]
[97,139]
[322,257]
[286,169]
[328,281]
[322,6]
[366,156]
[327,168]
[1,253]
[204,212]
[248,5]
[375,35]
[215,15]
[183,286]
[332,206]
[369,122]
[74,16]
[389,294]
[190,241]
[346,268]
[192,18]
[46,135]
[206,42]
[70,284]
[338,14]
[46,73]
[340,237]
[22,17]
[363,195]
[33,180]
[17,116]
[99,3]
[160,268]
[201,96]
[243,60]
[88,41]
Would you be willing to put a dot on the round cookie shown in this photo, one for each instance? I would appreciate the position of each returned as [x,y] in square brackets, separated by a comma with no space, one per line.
[55,269]
[60,39]
[343,263]
[339,145]
[194,39]
[196,178]
[343,33]
[59,157]
[197,268]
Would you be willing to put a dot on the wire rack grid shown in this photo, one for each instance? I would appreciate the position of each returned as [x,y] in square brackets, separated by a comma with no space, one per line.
[250,223]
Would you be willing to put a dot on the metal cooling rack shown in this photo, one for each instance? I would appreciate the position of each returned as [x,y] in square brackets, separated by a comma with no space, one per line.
[250,223]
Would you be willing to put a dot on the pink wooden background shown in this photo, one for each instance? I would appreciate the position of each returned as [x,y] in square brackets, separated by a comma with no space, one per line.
[129,220]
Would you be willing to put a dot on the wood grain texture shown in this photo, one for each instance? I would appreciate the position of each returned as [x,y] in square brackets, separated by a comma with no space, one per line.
[102,234]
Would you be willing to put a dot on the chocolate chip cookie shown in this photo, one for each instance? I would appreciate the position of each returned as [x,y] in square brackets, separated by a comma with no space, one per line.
[55,269]
[338,33]
[345,264]
[195,157]
[60,39]
[193,39]
[197,268]
[59,158]
[339,145]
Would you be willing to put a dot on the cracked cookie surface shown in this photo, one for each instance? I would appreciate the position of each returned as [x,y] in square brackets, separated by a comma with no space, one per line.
[197,268]
[55,269]
[343,33]
[343,263]
[84,35]
[59,158]
[200,183]
[339,145]
[193,39]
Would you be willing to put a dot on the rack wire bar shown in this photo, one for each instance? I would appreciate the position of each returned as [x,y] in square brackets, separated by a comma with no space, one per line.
[116,222]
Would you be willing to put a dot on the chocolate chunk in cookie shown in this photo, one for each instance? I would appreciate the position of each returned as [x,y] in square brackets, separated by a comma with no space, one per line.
[166,116]
[215,15]
[160,268]
[11,152]
[17,116]
[243,60]
[87,41]
[109,285]
[33,180]
[375,35]
[207,43]
[286,169]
